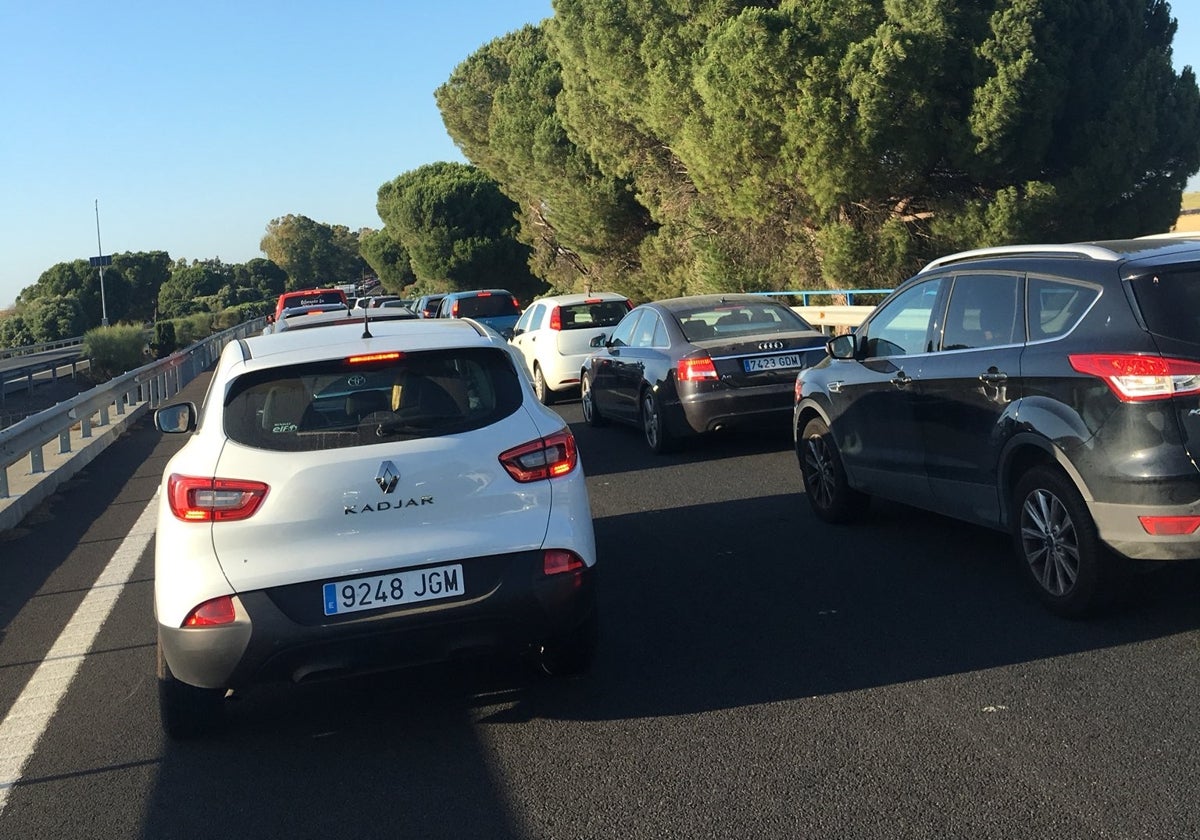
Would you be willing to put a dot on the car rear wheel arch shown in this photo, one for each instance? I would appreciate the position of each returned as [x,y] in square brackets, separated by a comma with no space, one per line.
[1023,453]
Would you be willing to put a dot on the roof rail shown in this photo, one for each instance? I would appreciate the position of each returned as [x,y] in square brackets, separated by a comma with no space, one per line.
[1094,252]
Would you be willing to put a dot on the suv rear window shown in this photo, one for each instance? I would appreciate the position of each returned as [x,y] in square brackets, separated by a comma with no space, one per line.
[1170,302]
[486,306]
[340,403]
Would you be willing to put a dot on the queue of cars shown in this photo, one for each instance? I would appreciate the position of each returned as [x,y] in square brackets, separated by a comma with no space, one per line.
[433,505]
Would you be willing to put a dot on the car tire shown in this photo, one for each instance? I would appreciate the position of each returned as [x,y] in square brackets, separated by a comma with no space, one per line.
[591,413]
[186,711]
[573,653]
[544,394]
[654,425]
[1057,543]
[825,483]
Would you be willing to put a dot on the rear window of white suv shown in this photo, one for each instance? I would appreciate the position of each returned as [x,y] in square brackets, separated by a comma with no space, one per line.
[365,400]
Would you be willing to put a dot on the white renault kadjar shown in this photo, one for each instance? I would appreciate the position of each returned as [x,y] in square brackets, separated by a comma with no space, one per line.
[360,496]
[554,335]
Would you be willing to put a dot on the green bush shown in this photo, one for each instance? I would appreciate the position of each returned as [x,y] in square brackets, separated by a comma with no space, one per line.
[115,350]
[191,329]
[241,313]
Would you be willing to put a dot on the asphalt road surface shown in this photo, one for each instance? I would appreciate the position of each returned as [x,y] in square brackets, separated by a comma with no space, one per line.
[761,675]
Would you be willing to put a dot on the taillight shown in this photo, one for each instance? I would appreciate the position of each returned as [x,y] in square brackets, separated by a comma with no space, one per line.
[212,613]
[695,368]
[556,318]
[1169,526]
[454,309]
[1138,378]
[559,561]
[194,499]
[548,457]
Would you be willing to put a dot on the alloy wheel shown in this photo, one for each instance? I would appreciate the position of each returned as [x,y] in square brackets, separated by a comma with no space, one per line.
[1050,542]
[820,478]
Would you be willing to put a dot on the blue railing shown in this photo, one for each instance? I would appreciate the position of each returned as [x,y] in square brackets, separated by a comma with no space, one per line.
[807,295]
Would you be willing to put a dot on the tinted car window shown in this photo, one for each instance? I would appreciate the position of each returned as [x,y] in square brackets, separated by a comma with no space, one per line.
[605,313]
[430,305]
[535,319]
[1055,306]
[901,326]
[983,312]
[726,319]
[341,403]
[660,334]
[485,306]
[643,336]
[623,334]
[1170,303]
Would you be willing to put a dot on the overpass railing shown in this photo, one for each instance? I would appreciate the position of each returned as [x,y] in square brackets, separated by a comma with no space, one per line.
[31,349]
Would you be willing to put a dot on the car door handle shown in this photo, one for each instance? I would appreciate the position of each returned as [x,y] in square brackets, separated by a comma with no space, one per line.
[993,377]
[902,380]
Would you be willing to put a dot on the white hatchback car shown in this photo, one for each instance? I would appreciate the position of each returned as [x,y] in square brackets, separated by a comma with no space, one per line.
[554,335]
[366,496]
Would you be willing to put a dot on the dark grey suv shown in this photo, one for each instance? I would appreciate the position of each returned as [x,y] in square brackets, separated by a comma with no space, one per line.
[1051,391]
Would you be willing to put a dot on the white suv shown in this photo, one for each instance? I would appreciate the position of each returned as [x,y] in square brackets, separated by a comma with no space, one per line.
[554,335]
[365,496]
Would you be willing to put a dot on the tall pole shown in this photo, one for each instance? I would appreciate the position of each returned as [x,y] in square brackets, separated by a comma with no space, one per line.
[100,252]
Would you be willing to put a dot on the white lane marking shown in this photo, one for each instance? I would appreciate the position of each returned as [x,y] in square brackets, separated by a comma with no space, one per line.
[31,714]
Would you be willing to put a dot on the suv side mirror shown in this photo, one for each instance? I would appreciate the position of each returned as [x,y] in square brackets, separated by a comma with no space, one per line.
[843,346]
[176,419]
[599,340]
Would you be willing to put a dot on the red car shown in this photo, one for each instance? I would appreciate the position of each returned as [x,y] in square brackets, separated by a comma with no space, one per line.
[309,297]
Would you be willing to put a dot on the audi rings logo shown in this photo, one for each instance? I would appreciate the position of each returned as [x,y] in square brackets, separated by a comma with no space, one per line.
[770,345]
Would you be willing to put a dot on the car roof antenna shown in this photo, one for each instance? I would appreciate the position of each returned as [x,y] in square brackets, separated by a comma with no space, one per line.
[366,323]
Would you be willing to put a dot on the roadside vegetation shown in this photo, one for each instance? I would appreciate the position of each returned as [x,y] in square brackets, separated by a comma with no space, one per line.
[666,149]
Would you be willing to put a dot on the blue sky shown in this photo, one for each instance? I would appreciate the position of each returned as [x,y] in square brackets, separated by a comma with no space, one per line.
[193,125]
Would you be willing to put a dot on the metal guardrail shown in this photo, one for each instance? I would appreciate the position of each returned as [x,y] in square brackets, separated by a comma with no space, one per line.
[26,376]
[91,420]
[30,349]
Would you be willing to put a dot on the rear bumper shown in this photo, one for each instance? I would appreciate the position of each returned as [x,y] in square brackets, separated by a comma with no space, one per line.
[1121,529]
[724,407]
[561,371]
[509,606]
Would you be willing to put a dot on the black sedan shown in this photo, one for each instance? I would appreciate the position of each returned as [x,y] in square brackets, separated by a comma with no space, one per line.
[687,366]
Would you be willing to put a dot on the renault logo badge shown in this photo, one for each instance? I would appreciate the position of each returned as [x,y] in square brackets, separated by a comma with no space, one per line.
[388,477]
